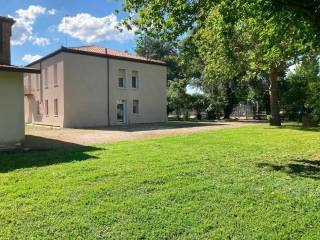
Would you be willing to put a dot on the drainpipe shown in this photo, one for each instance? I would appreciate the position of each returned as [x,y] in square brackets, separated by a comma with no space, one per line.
[108,86]
[41,84]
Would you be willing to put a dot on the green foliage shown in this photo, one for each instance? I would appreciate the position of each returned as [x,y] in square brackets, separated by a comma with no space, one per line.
[161,50]
[301,89]
[177,96]
[199,103]
[241,39]
[212,185]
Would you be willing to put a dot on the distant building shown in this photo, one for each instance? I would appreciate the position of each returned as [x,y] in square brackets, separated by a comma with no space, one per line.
[91,86]
[11,91]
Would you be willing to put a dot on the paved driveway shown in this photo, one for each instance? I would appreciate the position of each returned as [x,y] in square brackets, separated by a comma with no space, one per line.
[39,137]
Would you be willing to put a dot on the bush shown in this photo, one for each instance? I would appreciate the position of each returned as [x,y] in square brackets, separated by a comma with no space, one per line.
[269,118]
[309,120]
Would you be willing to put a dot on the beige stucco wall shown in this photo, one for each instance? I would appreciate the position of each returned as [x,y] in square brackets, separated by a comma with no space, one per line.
[11,105]
[151,93]
[85,91]
[43,94]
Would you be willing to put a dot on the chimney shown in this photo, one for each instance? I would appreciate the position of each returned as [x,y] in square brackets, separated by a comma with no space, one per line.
[5,35]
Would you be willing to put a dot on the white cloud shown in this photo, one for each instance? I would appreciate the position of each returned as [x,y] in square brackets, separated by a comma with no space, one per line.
[22,30]
[28,58]
[88,28]
[40,41]
[52,11]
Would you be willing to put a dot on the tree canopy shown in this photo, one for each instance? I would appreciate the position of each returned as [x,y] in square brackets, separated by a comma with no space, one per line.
[235,40]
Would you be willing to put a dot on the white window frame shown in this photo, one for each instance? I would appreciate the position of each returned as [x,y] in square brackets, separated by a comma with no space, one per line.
[138,106]
[28,82]
[55,75]
[46,107]
[46,80]
[124,77]
[38,108]
[124,103]
[38,84]
[136,75]
[56,107]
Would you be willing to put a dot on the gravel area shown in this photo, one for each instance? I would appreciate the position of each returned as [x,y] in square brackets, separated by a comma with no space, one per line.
[41,137]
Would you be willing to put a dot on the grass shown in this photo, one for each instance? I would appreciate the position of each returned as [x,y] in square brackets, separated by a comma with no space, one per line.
[255,182]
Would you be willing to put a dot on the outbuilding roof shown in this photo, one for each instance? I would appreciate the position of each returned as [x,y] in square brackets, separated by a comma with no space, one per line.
[103,52]
[12,68]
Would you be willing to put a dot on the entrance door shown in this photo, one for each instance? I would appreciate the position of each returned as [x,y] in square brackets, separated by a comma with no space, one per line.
[121,112]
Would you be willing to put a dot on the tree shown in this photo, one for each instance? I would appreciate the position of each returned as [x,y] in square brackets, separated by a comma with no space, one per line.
[309,9]
[301,90]
[276,34]
[199,103]
[160,50]
[247,36]
[177,96]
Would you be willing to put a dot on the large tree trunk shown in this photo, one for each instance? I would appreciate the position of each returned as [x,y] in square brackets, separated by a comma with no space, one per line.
[274,98]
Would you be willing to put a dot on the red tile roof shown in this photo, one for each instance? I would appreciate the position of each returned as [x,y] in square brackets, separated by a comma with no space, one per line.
[114,53]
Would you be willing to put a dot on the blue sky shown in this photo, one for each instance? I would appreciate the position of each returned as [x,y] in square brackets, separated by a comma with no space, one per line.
[44,26]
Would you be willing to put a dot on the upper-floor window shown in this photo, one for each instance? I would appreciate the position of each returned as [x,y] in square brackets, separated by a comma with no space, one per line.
[55,75]
[122,78]
[46,82]
[135,79]
[29,82]
[38,82]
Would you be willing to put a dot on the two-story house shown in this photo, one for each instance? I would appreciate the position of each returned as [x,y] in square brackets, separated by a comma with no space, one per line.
[94,87]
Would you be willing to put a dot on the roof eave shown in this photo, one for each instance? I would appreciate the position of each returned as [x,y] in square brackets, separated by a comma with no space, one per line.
[65,49]
[19,69]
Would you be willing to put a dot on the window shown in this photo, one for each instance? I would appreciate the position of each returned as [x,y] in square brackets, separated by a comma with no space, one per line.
[46,84]
[46,105]
[135,108]
[55,75]
[38,82]
[29,81]
[122,78]
[56,107]
[135,79]
[38,107]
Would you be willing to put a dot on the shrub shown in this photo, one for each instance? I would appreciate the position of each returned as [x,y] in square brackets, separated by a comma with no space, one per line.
[269,118]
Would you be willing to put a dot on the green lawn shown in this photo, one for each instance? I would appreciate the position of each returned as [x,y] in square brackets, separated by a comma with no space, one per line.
[253,182]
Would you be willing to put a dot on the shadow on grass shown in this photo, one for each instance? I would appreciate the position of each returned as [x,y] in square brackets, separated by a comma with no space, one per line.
[39,156]
[299,168]
[298,127]
[155,126]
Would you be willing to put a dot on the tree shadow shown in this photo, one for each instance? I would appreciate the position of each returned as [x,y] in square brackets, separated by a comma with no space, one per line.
[299,128]
[298,168]
[39,155]
[155,126]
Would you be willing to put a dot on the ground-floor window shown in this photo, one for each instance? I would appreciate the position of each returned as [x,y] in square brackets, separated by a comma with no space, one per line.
[120,112]
[38,107]
[46,106]
[56,109]
[135,106]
